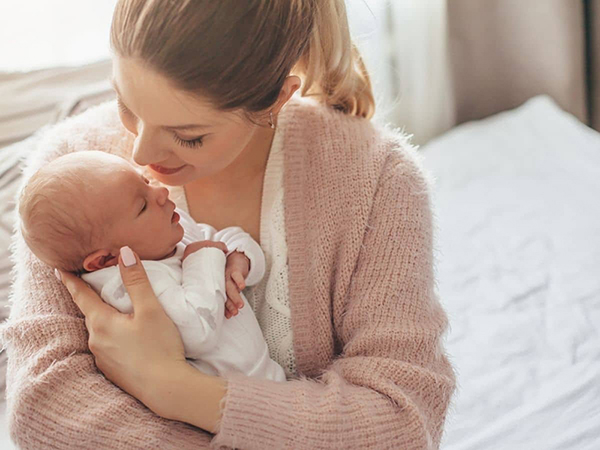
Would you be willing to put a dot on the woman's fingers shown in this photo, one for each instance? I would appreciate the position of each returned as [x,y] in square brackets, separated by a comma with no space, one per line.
[83,295]
[136,282]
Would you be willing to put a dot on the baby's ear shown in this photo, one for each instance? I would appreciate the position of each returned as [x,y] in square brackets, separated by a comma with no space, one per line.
[100,259]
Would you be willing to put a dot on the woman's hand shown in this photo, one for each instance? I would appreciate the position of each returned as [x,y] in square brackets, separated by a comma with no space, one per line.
[140,352]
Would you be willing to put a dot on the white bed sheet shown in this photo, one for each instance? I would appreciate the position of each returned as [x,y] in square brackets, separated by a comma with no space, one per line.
[517,201]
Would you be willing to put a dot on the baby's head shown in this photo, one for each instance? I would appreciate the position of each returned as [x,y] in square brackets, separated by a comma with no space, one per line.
[80,209]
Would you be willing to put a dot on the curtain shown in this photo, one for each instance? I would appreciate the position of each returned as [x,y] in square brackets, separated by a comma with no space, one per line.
[404,43]
[507,51]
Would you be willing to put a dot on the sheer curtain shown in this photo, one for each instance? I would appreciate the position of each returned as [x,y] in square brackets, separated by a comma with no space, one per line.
[404,43]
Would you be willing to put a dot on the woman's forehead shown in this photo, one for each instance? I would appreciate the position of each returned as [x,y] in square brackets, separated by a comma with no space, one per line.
[151,97]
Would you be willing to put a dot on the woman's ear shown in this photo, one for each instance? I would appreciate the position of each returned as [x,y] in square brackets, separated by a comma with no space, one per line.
[290,85]
[100,259]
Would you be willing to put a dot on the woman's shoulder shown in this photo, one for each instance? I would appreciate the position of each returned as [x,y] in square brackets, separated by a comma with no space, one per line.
[97,128]
[338,143]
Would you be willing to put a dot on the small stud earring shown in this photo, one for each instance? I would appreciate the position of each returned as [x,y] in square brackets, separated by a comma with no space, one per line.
[271,123]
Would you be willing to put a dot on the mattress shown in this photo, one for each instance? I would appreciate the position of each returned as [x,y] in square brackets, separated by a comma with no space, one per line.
[518,249]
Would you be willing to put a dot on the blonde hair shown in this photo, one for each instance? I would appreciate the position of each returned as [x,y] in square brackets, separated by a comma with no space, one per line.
[239,53]
[52,221]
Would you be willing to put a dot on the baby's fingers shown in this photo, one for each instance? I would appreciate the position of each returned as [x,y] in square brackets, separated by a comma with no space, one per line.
[233,293]
[239,280]
[230,308]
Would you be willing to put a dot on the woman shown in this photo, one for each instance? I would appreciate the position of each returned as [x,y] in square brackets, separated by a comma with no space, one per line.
[340,207]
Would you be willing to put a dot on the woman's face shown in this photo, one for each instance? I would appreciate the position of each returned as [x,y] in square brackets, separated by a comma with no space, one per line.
[179,137]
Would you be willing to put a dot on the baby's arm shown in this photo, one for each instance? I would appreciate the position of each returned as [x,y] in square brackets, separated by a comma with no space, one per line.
[196,305]
[238,240]
[245,266]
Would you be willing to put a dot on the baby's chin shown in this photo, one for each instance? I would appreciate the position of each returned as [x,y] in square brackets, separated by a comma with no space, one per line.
[170,253]
[173,248]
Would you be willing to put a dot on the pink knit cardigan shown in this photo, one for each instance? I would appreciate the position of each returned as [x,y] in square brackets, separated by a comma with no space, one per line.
[366,321]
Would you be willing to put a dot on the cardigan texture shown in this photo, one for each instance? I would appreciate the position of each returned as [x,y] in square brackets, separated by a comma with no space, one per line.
[367,325]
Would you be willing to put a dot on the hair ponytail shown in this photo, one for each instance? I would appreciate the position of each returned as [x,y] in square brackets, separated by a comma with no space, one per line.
[331,65]
[238,54]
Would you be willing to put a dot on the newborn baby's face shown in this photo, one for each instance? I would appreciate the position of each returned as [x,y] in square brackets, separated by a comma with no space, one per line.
[143,217]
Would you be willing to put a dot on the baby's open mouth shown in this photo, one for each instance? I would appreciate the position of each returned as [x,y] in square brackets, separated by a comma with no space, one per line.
[175,217]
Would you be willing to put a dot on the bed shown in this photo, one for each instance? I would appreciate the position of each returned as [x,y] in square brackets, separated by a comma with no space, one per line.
[518,228]
[517,221]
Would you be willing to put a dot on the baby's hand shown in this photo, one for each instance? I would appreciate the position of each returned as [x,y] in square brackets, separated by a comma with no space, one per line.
[195,246]
[236,271]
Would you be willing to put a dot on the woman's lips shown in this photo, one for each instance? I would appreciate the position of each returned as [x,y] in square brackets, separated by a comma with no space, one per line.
[166,170]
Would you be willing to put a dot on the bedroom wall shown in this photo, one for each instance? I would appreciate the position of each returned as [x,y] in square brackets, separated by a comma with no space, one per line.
[506,51]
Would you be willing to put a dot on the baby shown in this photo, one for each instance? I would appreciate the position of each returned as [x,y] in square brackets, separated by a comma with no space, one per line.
[80,209]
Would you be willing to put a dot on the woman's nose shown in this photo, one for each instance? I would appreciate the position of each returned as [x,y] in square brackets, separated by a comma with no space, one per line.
[162,196]
[147,148]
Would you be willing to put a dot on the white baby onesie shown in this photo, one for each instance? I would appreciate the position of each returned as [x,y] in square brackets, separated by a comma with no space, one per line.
[193,296]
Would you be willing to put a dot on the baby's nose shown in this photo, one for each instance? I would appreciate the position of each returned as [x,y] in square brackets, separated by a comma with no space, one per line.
[163,196]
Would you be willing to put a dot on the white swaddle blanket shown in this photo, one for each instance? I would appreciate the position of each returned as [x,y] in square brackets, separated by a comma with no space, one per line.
[193,296]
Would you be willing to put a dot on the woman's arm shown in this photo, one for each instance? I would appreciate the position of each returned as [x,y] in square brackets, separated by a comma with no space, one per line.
[56,396]
[392,384]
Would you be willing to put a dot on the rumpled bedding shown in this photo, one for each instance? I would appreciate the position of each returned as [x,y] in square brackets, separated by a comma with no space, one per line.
[517,201]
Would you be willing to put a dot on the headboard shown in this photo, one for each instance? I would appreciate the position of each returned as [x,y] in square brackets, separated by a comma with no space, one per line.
[503,52]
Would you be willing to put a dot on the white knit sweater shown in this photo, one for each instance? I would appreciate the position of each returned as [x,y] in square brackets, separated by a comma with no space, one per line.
[269,298]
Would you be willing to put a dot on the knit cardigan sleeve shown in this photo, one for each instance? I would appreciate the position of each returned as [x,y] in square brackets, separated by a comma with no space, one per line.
[391,385]
[56,397]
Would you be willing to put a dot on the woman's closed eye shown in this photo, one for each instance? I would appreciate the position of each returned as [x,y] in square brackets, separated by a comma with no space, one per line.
[122,106]
[196,142]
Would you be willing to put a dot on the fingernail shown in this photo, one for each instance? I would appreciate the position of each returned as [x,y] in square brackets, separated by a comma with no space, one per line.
[127,256]
[57,275]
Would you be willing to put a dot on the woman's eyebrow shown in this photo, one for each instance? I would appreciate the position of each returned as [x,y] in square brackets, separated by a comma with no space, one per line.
[186,127]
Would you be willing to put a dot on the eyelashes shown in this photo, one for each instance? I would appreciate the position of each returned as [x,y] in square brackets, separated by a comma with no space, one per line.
[122,106]
[189,143]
